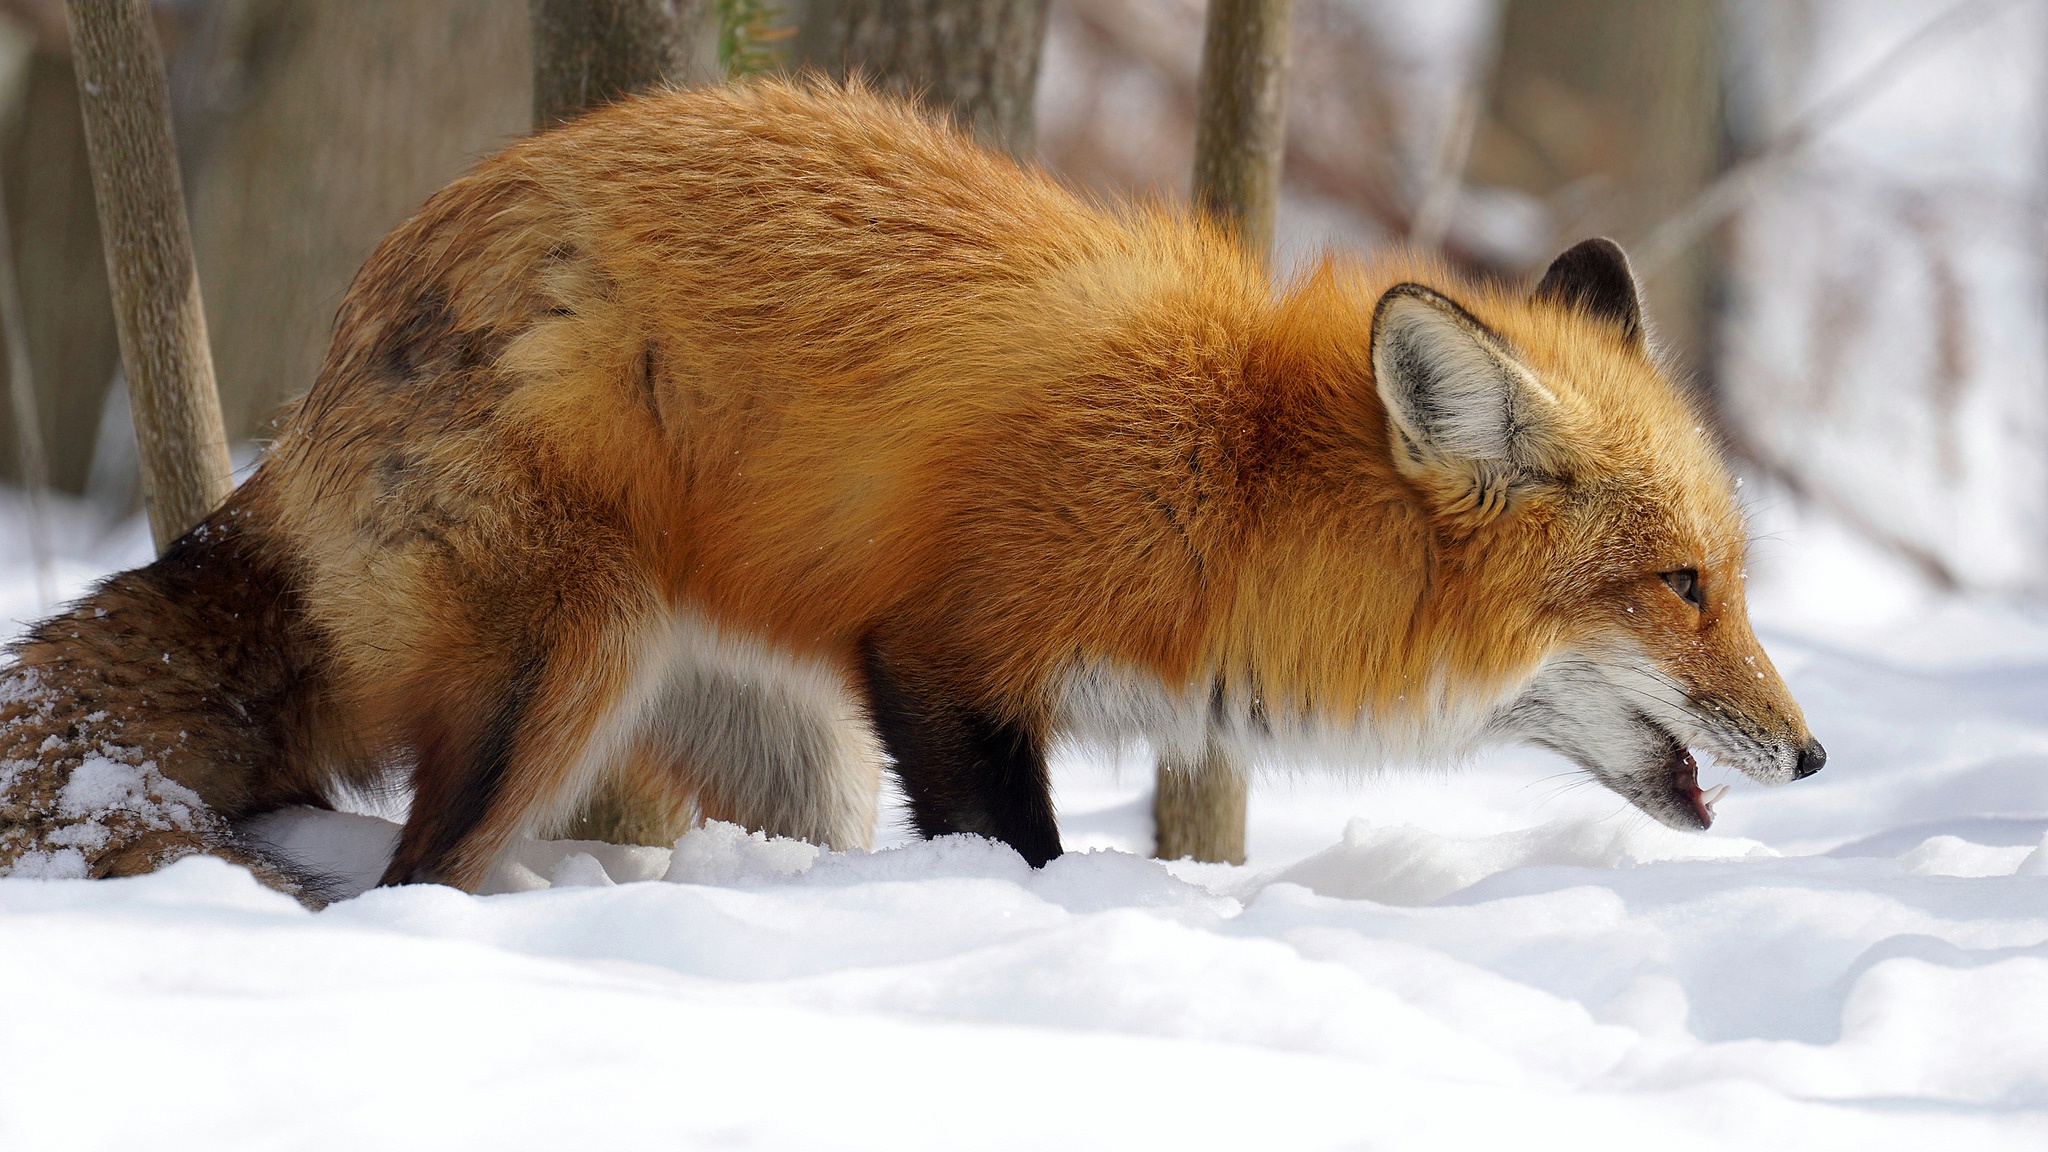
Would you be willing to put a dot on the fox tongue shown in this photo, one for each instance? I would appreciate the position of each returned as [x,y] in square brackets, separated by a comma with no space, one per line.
[1685,777]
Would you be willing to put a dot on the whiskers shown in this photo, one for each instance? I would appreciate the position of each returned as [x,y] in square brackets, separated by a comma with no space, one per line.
[1558,785]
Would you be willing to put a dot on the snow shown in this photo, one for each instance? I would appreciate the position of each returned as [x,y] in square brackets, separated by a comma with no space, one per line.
[1489,956]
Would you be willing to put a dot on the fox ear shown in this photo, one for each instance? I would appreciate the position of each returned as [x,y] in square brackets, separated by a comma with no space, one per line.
[1460,405]
[1593,277]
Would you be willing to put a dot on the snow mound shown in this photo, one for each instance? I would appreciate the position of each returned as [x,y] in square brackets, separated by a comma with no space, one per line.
[721,853]
[1415,866]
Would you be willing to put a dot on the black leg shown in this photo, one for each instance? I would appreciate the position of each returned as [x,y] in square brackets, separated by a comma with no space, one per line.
[462,755]
[963,768]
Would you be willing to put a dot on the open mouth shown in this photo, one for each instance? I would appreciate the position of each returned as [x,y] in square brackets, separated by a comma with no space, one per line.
[1685,783]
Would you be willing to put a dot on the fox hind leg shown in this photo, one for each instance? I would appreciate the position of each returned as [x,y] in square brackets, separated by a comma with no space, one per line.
[512,720]
[763,739]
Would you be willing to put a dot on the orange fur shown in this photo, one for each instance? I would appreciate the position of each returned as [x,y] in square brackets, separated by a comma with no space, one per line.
[803,365]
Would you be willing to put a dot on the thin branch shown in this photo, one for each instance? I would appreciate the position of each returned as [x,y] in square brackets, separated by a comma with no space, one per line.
[1717,201]
[1432,220]
[1931,566]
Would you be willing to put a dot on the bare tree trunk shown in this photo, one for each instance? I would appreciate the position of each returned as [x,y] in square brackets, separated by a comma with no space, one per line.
[977,60]
[1240,118]
[1610,111]
[587,53]
[157,308]
[1198,809]
[306,135]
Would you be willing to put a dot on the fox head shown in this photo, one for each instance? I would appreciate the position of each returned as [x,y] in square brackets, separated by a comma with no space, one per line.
[1565,476]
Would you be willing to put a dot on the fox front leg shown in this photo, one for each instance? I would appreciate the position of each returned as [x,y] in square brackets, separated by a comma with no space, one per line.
[963,767]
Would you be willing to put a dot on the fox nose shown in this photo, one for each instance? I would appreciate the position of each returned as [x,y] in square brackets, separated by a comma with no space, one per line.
[1811,759]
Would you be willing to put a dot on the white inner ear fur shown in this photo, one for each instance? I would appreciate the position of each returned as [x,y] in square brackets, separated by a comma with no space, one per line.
[1454,390]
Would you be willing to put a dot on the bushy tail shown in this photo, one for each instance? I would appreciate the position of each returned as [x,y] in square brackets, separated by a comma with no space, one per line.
[169,702]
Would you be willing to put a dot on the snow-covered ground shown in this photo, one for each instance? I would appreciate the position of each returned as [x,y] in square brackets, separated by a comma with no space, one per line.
[1488,957]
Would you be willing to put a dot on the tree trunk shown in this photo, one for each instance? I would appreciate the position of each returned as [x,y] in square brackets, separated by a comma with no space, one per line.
[1240,117]
[976,60]
[1198,808]
[1610,112]
[588,53]
[157,310]
[304,138]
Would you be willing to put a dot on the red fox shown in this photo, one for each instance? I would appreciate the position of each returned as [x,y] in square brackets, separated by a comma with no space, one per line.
[752,440]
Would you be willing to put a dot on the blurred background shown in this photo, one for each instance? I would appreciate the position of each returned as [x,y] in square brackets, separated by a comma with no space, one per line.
[1837,206]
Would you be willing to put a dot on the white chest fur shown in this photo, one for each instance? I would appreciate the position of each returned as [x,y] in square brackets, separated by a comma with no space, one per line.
[1103,703]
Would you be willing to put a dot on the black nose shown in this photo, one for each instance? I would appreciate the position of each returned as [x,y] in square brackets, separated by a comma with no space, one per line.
[1812,758]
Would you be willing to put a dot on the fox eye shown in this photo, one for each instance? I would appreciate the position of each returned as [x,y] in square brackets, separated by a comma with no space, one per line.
[1685,582]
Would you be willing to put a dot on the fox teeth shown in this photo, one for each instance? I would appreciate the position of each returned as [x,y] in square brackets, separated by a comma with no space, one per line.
[1712,796]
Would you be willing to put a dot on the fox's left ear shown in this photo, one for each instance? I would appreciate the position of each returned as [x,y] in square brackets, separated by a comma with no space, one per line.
[1466,414]
[1593,277]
